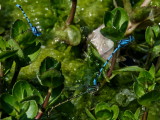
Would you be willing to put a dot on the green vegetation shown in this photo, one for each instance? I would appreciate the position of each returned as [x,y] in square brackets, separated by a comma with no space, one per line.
[38,73]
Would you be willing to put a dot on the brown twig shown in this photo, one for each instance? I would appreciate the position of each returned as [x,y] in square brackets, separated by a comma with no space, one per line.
[45,103]
[132,26]
[72,12]
[145,115]
[109,73]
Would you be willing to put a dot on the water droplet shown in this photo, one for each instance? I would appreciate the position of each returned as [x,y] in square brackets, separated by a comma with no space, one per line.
[90,14]
[82,8]
[43,46]
[46,8]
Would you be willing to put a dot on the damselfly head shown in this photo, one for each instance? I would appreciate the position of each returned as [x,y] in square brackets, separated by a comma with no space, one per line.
[93,89]
[36,32]
[124,42]
[131,38]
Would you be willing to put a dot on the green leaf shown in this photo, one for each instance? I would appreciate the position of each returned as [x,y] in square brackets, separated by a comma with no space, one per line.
[129,114]
[156,50]
[123,15]
[156,30]
[30,109]
[138,89]
[112,33]
[21,90]
[10,104]
[137,114]
[115,110]
[144,77]
[22,103]
[149,36]
[3,44]
[149,98]
[7,118]
[90,114]
[116,23]
[6,54]
[16,46]
[108,16]
[18,28]
[73,35]
[51,78]
[33,56]
[32,51]
[124,27]
[49,63]
[21,34]
[130,69]
[93,54]
[32,48]
[103,111]
[102,106]
[152,71]
[116,19]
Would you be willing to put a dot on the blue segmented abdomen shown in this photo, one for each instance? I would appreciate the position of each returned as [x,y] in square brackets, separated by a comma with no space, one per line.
[121,44]
[25,15]
[34,29]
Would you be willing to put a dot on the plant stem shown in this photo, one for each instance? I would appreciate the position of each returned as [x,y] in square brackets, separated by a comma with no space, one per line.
[45,103]
[127,6]
[145,3]
[132,26]
[115,3]
[1,78]
[72,12]
[109,73]
[47,98]
[145,115]
[16,73]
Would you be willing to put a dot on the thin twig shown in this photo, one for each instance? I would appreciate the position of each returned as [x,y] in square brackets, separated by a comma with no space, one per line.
[145,115]
[45,103]
[115,3]
[145,3]
[132,26]
[72,12]
[109,73]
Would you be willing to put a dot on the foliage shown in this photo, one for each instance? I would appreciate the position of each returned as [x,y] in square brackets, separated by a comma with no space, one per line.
[65,63]
[115,22]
